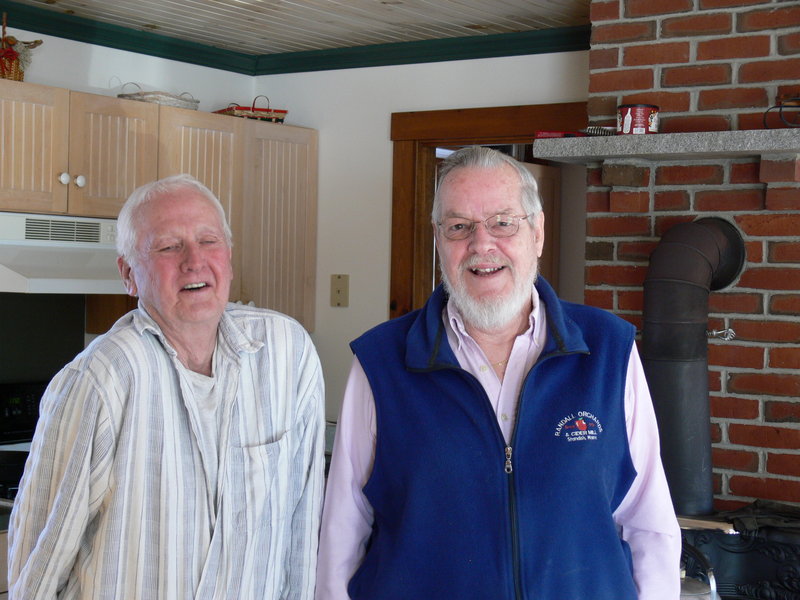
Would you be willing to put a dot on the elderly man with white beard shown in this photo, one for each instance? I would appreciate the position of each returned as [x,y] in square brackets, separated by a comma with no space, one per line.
[498,443]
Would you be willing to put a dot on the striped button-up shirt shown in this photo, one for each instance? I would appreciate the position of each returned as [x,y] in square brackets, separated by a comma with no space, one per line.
[114,503]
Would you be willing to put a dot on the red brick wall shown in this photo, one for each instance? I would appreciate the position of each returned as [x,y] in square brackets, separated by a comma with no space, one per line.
[713,69]
[719,67]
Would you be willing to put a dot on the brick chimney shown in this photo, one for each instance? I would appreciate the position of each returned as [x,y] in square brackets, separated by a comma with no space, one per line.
[711,66]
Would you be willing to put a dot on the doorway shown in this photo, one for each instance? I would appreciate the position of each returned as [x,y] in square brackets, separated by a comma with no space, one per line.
[416,136]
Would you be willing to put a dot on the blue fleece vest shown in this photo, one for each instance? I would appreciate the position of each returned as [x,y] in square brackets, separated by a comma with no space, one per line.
[450,522]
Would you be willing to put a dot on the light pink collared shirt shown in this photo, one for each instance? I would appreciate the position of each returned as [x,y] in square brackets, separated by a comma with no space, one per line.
[645,518]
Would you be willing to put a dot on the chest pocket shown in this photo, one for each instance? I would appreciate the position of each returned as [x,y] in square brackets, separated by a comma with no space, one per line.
[259,476]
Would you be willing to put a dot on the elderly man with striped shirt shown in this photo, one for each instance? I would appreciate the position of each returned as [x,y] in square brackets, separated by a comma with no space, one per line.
[180,456]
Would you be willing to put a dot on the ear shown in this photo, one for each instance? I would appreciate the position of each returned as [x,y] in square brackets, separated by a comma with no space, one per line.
[538,232]
[436,248]
[127,275]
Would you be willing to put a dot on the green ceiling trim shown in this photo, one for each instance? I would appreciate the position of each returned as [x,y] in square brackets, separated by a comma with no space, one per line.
[57,24]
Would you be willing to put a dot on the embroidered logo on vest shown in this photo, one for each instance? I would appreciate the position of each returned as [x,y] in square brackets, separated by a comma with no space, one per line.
[582,426]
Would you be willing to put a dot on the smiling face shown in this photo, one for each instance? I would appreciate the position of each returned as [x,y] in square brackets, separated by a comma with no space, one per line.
[489,278]
[182,267]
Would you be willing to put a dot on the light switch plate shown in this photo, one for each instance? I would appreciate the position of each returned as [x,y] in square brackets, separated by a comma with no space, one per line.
[340,290]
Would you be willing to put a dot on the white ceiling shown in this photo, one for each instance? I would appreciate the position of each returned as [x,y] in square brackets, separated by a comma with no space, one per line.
[261,27]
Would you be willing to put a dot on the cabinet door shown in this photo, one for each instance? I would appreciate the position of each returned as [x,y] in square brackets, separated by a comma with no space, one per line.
[113,145]
[210,148]
[279,226]
[34,125]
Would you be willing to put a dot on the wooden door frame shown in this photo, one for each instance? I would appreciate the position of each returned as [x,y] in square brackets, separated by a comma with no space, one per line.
[415,136]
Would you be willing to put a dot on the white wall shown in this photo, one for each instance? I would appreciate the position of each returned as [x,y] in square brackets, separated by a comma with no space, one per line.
[352,110]
[99,70]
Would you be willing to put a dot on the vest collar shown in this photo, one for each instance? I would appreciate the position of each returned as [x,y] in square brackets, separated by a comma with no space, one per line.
[427,347]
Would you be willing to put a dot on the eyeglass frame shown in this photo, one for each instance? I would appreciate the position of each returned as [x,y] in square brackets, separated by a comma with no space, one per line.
[474,225]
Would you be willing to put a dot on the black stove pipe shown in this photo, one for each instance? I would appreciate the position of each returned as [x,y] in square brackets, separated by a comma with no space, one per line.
[690,260]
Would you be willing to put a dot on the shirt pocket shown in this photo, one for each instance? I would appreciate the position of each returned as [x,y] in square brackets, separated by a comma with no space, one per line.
[258,482]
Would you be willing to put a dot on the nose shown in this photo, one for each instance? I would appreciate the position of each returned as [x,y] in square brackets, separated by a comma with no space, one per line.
[481,240]
[192,257]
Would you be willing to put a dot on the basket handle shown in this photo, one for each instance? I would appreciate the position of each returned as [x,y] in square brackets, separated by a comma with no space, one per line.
[182,94]
[4,40]
[122,89]
[256,98]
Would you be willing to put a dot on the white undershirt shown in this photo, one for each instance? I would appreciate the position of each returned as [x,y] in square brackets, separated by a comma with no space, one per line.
[208,414]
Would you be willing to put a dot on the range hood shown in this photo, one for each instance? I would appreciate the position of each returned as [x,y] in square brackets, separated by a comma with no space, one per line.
[47,254]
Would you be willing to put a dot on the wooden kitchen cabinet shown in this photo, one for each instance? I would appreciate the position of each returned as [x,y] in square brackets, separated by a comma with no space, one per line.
[113,144]
[34,129]
[103,310]
[279,228]
[105,147]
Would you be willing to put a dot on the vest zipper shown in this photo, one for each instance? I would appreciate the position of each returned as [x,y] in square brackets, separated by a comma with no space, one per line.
[512,500]
[508,467]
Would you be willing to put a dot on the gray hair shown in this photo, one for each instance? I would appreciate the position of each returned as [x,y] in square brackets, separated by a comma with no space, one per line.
[486,158]
[129,220]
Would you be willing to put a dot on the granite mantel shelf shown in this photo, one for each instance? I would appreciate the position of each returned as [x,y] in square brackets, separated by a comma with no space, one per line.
[670,146]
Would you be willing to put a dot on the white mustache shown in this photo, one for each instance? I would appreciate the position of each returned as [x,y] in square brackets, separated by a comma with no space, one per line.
[474,261]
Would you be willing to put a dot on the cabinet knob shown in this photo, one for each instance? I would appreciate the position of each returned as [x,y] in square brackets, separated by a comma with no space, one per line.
[64,178]
[80,181]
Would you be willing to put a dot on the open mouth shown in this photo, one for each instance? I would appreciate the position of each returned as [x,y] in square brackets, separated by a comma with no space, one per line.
[195,286]
[484,272]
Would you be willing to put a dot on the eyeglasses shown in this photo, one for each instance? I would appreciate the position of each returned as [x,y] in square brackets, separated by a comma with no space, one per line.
[458,228]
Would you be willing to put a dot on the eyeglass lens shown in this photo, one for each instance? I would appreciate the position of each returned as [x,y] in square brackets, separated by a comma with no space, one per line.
[457,228]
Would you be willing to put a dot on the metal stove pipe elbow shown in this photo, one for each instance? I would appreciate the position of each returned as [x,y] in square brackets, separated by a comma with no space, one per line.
[691,260]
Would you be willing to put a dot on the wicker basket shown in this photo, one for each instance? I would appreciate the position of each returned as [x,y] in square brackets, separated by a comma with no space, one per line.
[10,61]
[184,100]
[15,55]
[273,115]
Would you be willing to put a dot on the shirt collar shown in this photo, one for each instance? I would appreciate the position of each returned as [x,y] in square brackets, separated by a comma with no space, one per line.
[231,334]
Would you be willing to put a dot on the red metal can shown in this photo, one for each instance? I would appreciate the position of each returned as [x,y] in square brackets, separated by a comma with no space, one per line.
[637,118]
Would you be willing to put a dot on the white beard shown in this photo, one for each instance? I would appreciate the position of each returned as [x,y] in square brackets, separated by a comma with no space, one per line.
[491,314]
